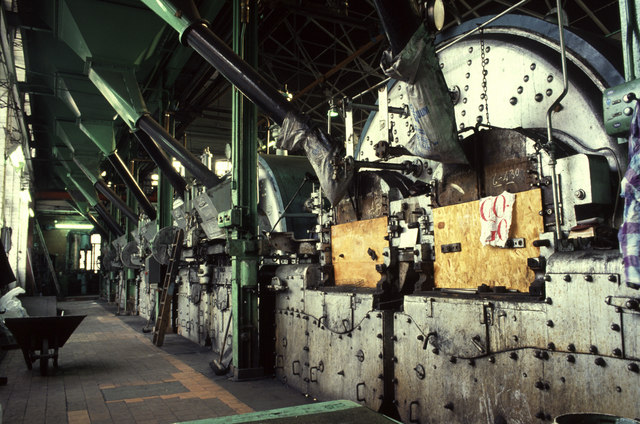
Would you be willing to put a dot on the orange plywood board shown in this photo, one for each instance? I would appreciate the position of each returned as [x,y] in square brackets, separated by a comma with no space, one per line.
[476,264]
[350,242]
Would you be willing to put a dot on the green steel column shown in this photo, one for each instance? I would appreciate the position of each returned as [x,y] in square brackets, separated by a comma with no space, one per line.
[630,32]
[131,274]
[243,236]
[165,191]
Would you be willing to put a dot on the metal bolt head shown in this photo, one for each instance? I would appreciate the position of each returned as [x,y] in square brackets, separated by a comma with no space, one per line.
[571,359]
[513,356]
[615,327]
[549,78]
[600,362]
[613,278]
[567,278]
[588,278]
[538,97]
[571,347]
[550,323]
[617,352]
[533,66]
[593,349]
[513,101]
[633,367]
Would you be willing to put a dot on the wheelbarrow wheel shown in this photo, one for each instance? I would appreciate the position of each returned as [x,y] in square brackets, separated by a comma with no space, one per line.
[44,357]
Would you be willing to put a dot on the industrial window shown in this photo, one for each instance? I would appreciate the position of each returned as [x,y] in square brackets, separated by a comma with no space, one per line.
[92,261]
[222,167]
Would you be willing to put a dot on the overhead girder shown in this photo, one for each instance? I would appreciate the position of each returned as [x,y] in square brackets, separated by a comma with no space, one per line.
[323,152]
[106,191]
[121,90]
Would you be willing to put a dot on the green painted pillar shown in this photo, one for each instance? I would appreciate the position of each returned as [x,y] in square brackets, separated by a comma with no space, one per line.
[165,191]
[243,235]
[131,274]
[630,32]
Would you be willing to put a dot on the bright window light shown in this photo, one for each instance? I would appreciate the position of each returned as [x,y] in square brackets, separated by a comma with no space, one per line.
[17,158]
[25,196]
[222,166]
[73,226]
[31,213]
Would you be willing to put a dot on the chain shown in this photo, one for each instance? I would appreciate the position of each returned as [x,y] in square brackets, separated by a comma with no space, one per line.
[484,61]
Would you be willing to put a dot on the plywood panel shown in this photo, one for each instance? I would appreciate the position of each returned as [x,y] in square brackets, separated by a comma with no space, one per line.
[476,264]
[350,242]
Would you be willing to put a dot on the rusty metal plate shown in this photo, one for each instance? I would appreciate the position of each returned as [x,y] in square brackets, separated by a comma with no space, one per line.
[356,249]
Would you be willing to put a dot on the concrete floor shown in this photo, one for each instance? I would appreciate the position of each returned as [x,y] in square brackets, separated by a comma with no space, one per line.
[110,372]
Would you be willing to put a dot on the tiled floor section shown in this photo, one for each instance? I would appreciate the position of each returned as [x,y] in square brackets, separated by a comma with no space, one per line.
[109,352]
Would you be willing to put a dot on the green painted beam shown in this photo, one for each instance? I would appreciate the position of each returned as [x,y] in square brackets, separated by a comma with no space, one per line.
[180,14]
[101,133]
[120,87]
[88,194]
[319,413]
[107,31]
[630,32]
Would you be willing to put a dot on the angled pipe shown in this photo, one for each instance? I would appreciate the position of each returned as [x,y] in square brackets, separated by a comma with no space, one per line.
[325,154]
[132,185]
[398,21]
[120,88]
[99,228]
[162,162]
[101,186]
[191,163]
[106,191]
[108,220]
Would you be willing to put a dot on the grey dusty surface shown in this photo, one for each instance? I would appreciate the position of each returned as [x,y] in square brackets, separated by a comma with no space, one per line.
[110,372]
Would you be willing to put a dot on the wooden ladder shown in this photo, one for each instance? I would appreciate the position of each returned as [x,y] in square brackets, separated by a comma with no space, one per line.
[168,286]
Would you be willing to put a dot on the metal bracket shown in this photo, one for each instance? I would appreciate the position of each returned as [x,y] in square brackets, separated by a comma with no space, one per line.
[359,398]
[451,248]
[515,243]
[623,302]
[231,218]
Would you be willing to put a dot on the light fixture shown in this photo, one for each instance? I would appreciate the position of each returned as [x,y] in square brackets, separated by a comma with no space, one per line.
[333,111]
[103,174]
[72,226]
[155,177]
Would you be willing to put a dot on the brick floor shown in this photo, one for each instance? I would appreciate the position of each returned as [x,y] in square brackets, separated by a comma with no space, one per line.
[109,354]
